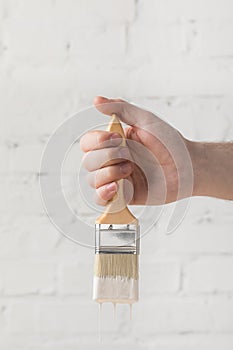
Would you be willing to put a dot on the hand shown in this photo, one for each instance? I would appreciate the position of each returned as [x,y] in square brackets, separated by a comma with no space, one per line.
[156,160]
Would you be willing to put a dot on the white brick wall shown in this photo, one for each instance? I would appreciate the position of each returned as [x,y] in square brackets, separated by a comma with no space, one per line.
[173,57]
[209,275]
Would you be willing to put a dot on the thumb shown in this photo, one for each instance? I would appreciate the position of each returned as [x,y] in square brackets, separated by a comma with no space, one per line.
[126,112]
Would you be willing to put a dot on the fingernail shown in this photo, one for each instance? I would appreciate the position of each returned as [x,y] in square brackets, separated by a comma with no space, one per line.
[124,153]
[115,139]
[112,187]
[125,168]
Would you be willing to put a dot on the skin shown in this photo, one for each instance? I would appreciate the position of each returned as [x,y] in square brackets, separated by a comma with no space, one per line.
[160,164]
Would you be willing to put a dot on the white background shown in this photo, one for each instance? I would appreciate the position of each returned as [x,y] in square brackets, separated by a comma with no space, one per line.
[174,57]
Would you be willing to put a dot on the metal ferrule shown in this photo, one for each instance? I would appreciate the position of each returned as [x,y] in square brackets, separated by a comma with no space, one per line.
[117,239]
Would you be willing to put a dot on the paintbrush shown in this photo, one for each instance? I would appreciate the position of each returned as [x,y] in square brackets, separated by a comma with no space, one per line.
[116,246]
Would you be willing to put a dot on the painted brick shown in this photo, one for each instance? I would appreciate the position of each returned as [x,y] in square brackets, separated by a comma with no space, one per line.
[57,44]
[187,77]
[22,318]
[76,279]
[170,11]
[172,316]
[88,12]
[206,42]
[209,275]
[187,315]
[205,228]
[190,342]
[168,40]
[28,236]
[159,277]
[74,318]
[21,278]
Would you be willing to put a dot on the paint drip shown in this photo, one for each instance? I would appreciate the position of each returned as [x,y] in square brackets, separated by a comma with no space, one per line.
[100,323]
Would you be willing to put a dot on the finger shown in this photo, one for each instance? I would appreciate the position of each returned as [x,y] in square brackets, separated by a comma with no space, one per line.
[128,113]
[109,174]
[97,159]
[106,193]
[99,139]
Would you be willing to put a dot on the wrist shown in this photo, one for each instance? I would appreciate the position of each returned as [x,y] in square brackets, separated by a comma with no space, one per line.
[212,169]
[200,161]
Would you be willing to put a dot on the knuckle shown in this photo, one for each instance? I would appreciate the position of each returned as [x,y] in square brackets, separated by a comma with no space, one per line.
[109,172]
[99,200]
[101,139]
[101,192]
[98,139]
[86,161]
[82,143]
[91,180]
[111,154]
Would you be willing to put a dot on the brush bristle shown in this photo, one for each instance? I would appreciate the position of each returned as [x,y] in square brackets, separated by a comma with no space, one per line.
[116,265]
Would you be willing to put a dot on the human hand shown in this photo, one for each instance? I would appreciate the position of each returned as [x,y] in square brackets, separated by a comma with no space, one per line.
[156,160]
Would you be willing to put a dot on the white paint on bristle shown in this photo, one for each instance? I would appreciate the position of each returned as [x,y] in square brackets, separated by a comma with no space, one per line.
[118,289]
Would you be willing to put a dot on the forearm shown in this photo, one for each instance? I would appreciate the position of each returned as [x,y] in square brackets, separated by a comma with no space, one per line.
[213,169]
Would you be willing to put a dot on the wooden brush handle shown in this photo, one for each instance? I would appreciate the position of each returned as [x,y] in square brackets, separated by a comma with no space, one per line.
[115,126]
[116,211]
[118,201]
